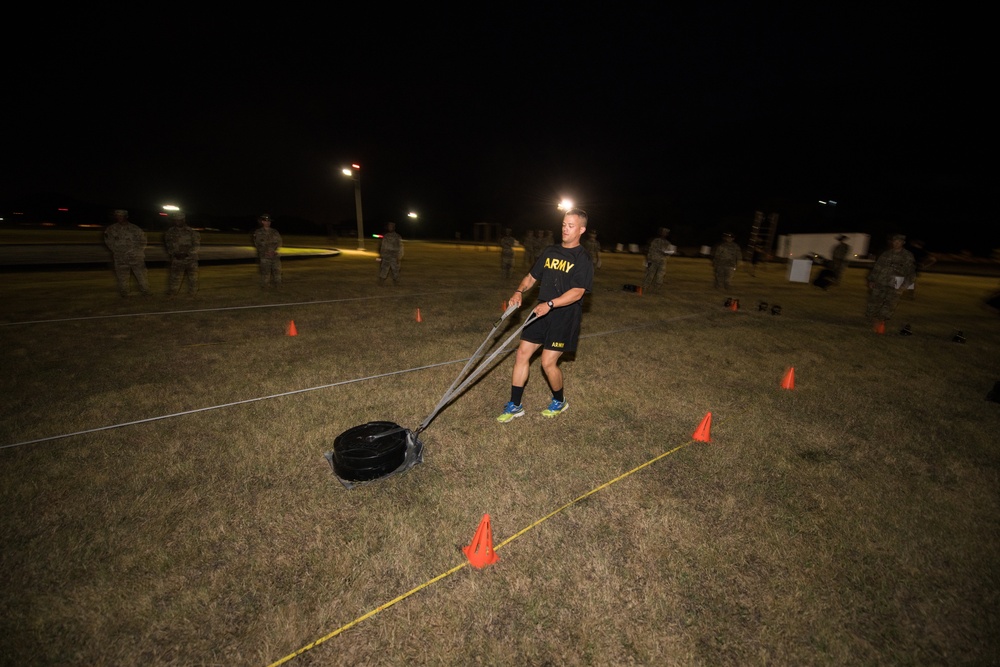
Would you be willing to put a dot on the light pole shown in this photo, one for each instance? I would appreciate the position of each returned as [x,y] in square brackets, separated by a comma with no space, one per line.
[355,174]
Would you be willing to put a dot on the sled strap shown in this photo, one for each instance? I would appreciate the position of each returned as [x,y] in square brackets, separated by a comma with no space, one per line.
[454,391]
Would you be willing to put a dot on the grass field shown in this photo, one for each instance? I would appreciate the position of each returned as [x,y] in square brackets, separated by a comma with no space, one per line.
[167,500]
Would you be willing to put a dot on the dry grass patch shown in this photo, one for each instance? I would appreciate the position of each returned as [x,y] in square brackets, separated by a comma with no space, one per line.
[174,505]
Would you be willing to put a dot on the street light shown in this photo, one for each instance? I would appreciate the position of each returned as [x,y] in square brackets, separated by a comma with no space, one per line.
[565,205]
[355,174]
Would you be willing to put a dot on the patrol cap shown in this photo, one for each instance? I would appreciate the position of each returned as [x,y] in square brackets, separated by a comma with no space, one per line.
[664,230]
[265,216]
[178,215]
[899,237]
[727,235]
[120,211]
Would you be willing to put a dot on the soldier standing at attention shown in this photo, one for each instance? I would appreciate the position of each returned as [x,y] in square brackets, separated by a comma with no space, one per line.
[564,275]
[725,259]
[923,260]
[182,244]
[840,253]
[656,260]
[268,241]
[507,242]
[127,243]
[390,251]
[593,249]
[893,271]
[530,251]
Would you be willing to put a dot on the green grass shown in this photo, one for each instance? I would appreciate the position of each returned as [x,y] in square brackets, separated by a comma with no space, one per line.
[167,501]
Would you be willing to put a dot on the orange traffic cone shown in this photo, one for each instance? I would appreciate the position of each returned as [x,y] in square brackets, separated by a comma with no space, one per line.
[734,305]
[639,290]
[503,306]
[480,551]
[419,319]
[788,382]
[292,331]
[702,432]
[880,327]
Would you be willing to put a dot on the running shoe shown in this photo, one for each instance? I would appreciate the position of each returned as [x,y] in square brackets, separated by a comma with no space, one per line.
[555,408]
[509,412]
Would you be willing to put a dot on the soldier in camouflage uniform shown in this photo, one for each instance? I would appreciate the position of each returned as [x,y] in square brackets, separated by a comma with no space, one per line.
[182,244]
[894,271]
[593,248]
[725,258]
[922,259]
[530,249]
[507,242]
[390,251]
[840,253]
[268,241]
[528,259]
[127,243]
[656,260]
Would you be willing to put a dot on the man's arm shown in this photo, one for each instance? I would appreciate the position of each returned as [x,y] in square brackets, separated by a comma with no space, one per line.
[526,284]
[567,298]
[570,296]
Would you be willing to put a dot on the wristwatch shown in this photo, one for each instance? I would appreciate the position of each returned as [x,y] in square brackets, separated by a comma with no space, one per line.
[549,304]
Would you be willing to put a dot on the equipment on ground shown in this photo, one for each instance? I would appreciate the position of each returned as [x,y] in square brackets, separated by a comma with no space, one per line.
[380,449]
[826,279]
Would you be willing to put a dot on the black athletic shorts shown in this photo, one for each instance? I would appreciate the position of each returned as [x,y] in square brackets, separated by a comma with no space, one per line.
[559,330]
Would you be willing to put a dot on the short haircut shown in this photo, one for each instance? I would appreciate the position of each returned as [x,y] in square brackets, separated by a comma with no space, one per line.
[578,212]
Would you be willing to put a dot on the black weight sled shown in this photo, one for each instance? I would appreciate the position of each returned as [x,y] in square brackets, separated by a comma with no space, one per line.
[826,279]
[380,449]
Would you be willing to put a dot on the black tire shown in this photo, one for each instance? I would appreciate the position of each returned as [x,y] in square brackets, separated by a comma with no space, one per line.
[369,451]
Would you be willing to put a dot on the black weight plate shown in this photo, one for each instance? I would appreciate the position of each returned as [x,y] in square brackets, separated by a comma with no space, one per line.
[369,451]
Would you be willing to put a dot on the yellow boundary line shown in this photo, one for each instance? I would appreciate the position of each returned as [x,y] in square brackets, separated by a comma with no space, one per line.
[455,569]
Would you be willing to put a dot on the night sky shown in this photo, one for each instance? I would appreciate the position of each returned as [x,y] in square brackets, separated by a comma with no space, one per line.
[686,118]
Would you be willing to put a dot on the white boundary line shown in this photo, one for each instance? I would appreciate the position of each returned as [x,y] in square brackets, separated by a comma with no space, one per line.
[308,389]
[229,405]
[215,310]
